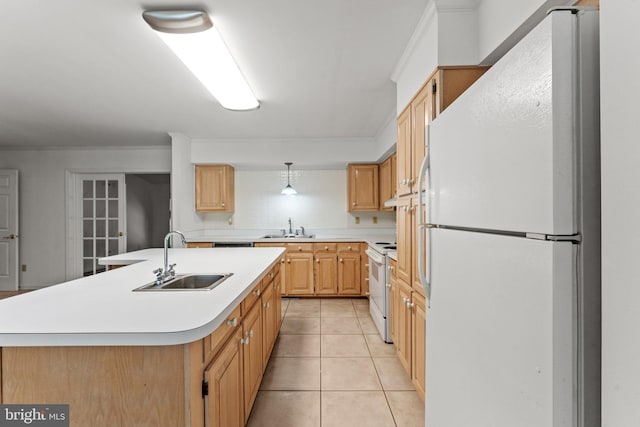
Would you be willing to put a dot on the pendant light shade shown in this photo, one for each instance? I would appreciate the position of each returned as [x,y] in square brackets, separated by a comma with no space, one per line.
[288,190]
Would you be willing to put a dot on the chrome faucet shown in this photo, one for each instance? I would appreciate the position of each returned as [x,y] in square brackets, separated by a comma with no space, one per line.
[290,229]
[162,275]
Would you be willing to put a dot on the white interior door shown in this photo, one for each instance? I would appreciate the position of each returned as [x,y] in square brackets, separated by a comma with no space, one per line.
[8,230]
[499,332]
[100,220]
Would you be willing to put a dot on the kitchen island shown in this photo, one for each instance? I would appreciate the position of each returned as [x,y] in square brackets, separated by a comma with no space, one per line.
[156,358]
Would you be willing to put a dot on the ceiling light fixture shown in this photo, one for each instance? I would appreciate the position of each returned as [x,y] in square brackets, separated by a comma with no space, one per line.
[288,190]
[190,34]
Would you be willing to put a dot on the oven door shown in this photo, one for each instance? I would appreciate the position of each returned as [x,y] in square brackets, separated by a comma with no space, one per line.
[377,280]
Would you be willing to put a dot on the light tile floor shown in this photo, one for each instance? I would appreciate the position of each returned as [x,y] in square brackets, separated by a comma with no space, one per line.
[330,368]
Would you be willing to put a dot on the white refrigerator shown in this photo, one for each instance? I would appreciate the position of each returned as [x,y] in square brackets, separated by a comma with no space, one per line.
[512,238]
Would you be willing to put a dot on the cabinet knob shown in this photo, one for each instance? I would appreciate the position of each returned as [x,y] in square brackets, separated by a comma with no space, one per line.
[353,204]
[289,261]
[233,322]
[317,260]
[366,265]
[388,285]
[349,248]
[326,248]
[341,260]
[257,292]
[223,204]
[244,341]
[300,248]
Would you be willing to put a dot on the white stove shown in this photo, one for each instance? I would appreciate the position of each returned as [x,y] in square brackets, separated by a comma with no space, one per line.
[379,286]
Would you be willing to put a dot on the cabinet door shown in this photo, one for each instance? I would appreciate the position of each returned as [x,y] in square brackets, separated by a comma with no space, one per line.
[277,290]
[214,188]
[404,224]
[364,271]
[269,322]
[252,334]
[387,182]
[403,161]
[421,112]
[326,273]
[348,273]
[224,402]
[418,342]
[403,343]
[363,187]
[299,273]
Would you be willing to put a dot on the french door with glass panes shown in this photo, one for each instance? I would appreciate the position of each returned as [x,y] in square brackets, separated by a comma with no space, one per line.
[101,200]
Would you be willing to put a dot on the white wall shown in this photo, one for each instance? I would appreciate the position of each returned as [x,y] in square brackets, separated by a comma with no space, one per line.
[42,199]
[620,88]
[320,205]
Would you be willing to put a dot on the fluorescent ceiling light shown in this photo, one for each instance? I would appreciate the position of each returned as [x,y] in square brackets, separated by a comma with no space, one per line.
[193,38]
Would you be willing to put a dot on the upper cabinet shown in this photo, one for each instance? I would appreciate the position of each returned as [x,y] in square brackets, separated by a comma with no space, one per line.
[214,188]
[387,181]
[363,190]
[439,91]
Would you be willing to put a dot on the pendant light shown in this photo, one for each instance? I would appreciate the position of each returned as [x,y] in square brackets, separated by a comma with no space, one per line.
[288,190]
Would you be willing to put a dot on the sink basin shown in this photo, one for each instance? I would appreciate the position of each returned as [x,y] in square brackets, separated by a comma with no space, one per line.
[188,282]
[288,236]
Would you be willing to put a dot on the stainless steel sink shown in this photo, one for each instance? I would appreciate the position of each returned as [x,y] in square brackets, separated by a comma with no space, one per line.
[288,236]
[188,282]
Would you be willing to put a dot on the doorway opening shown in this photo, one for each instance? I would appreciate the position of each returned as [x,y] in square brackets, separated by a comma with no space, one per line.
[148,209]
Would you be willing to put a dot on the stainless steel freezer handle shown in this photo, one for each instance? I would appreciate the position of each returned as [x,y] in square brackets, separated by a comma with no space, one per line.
[424,225]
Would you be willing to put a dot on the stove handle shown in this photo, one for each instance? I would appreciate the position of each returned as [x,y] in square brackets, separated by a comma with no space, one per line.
[375,257]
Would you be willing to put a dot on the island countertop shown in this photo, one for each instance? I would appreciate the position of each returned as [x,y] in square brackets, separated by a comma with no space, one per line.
[102,310]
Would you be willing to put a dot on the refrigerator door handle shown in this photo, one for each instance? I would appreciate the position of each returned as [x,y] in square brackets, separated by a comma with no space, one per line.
[423,225]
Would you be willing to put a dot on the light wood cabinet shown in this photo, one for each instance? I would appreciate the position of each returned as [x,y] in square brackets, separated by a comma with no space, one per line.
[362,189]
[299,273]
[349,273]
[326,272]
[403,154]
[199,245]
[403,337]
[224,401]
[418,341]
[387,181]
[269,321]
[214,188]
[441,88]
[252,354]
[404,224]
[314,269]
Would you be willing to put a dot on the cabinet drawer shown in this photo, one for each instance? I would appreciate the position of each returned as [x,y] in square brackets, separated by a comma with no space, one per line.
[248,301]
[325,247]
[215,341]
[300,247]
[348,247]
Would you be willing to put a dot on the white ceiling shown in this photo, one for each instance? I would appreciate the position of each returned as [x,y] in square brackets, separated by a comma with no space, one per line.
[93,73]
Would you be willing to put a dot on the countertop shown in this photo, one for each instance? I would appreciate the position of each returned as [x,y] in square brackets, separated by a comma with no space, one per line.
[102,309]
[319,238]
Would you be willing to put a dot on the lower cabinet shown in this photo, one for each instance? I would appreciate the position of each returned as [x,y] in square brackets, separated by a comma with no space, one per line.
[418,341]
[403,318]
[324,268]
[252,334]
[408,329]
[224,400]
[299,273]
[233,375]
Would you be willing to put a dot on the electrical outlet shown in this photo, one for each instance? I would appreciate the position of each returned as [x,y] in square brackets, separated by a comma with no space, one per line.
[357,220]
[375,219]
[24,267]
